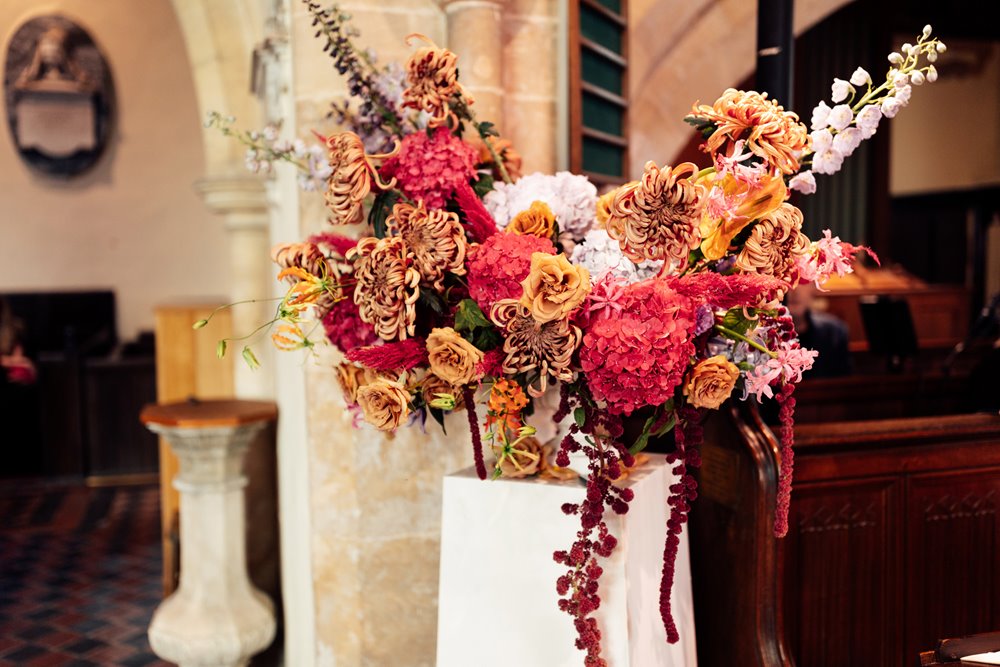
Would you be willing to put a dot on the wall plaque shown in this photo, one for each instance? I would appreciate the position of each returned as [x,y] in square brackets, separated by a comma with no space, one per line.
[59,95]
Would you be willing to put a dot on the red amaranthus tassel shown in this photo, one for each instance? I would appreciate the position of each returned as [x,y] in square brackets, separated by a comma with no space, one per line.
[786,414]
[469,396]
[579,587]
[688,436]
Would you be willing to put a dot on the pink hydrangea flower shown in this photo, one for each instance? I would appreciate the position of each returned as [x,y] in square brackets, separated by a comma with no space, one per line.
[344,327]
[638,356]
[430,168]
[498,265]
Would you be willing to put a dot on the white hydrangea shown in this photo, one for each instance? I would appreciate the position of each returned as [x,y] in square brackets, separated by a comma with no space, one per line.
[600,254]
[572,198]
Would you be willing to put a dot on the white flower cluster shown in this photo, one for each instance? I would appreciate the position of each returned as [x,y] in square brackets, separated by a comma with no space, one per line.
[839,130]
[600,254]
[572,198]
[317,165]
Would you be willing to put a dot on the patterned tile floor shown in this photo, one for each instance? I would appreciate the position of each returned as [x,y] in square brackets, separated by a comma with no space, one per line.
[80,573]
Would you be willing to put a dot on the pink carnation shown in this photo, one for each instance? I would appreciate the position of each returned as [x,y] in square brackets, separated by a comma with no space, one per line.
[638,356]
[497,267]
[344,327]
[430,168]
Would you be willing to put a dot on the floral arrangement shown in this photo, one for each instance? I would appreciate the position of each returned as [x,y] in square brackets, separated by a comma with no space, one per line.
[473,288]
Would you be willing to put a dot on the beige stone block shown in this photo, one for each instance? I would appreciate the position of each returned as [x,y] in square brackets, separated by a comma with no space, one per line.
[399,599]
[542,8]
[531,125]
[337,585]
[529,56]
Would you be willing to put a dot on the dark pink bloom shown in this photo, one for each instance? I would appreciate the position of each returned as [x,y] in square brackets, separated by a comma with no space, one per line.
[344,327]
[430,168]
[732,291]
[497,267]
[638,356]
[479,224]
[338,243]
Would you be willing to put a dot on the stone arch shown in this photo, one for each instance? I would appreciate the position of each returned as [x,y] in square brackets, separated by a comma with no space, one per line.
[681,53]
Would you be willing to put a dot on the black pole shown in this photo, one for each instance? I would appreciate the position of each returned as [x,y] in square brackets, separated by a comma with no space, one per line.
[775,50]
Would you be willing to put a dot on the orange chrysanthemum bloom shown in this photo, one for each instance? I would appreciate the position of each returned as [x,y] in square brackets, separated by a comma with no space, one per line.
[387,286]
[658,216]
[770,132]
[436,238]
[432,75]
[352,179]
[505,403]
[775,244]
[541,350]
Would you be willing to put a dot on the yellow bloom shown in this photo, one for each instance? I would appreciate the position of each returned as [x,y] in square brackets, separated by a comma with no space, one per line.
[536,221]
[717,233]
[711,382]
[554,287]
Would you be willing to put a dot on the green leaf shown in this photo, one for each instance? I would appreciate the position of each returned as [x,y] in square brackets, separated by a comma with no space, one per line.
[432,300]
[484,185]
[735,320]
[438,416]
[486,338]
[250,358]
[381,209]
[643,439]
[220,349]
[469,316]
[579,416]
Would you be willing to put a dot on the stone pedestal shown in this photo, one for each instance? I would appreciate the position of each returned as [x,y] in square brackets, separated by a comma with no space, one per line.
[216,618]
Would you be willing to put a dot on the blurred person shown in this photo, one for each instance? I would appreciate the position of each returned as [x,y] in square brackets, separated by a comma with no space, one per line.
[20,427]
[823,332]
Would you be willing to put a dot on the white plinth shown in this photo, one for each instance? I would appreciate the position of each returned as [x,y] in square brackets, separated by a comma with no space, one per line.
[497,604]
[215,618]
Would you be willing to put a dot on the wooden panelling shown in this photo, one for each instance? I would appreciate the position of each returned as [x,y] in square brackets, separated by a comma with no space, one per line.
[840,573]
[953,585]
[117,444]
[186,366]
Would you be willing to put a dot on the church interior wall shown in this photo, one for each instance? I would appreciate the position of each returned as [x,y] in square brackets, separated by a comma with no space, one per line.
[137,225]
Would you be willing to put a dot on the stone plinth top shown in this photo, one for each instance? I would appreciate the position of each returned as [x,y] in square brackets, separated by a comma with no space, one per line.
[205,414]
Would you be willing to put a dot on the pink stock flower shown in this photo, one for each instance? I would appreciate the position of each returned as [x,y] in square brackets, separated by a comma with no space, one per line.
[498,265]
[430,168]
[637,357]
[792,361]
[829,256]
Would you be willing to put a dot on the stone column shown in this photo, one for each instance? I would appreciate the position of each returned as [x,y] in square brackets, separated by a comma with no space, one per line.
[216,618]
[530,76]
[475,35]
[243,204]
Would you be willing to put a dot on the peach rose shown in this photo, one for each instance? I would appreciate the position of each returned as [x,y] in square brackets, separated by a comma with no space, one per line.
[537,220]
[385,403]
[352,378]
[711,382]
[452,358]
[554,287]
[433,385]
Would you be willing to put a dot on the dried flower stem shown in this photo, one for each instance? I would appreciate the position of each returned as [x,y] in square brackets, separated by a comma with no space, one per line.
[786,414]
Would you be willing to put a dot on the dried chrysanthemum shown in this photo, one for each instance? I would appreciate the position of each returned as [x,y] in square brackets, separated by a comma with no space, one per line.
[775,245]
[352,179]
[436,239]
[542,351]
[387,286]
[432,78]
[657,217]
[770,132]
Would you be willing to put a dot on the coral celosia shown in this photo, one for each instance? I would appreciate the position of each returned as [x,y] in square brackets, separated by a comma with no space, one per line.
[430,168]
[497,267]
[638,356]
[479,224]
[399,356]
